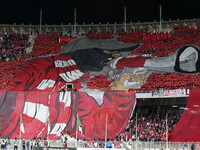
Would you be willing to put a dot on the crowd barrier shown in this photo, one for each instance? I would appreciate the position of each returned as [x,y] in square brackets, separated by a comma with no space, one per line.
[73,145]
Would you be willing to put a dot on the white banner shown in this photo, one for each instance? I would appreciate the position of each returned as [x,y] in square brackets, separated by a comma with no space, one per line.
[100,148]
[175,92]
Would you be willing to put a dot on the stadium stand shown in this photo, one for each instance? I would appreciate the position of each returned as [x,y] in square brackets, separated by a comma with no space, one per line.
[151,127]
[49,44]
[160,48]
[13,45]
[13,54]
[7,70]
[46,44]
[155,37]
[131,36]
[101,35]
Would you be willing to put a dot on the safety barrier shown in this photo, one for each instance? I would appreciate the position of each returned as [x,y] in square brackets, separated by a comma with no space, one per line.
[73,144]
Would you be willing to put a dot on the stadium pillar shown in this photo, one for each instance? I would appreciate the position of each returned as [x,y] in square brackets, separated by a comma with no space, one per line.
[40,21]
[160,18]
[74,21]
[125,19]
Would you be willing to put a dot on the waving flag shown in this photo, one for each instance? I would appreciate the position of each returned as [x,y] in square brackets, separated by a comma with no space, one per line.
[21,125]
[79,124]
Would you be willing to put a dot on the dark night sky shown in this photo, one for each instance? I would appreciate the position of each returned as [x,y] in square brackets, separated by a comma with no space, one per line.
[88,11]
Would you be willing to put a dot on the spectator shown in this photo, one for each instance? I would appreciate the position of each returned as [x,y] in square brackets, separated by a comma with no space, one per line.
[185,146]
[2,144]
[27,144]
[45,142]
[65,144]
[95,143]
[192,146]
[108,144]
[23,144]
[6,143]
[31,145]
[15,144]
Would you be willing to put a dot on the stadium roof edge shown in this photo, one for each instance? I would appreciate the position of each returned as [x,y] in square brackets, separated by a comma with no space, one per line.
[112,24]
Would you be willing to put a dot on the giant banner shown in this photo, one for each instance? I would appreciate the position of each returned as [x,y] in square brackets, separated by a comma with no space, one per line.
[101,77]
[46,114]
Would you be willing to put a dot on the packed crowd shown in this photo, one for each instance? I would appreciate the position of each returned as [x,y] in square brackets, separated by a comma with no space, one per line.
[180,37]
[46,44]
[157,47]
[131,36]
[163,47]
[12,54]
[151,127]
[13,45]
[7,70]
[101,35]
[170,81]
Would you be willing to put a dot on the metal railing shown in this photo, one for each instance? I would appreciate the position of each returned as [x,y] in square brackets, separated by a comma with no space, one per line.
[125,145]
